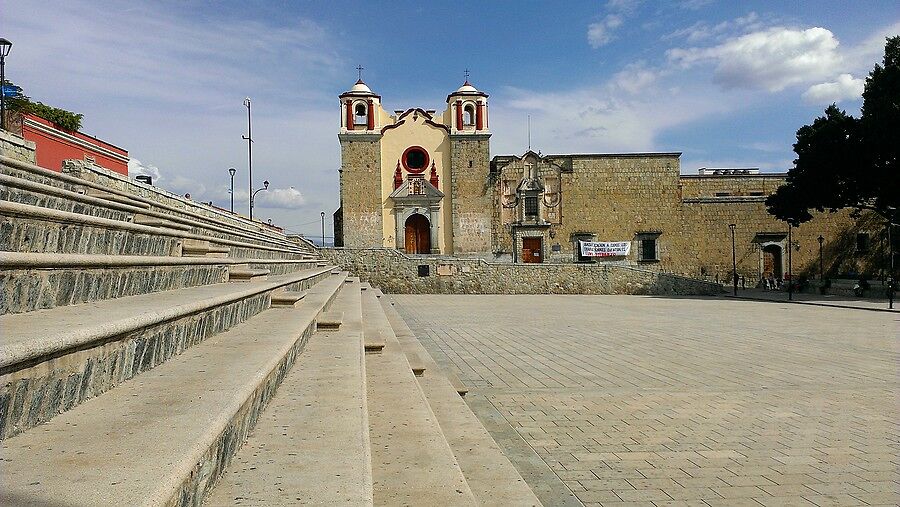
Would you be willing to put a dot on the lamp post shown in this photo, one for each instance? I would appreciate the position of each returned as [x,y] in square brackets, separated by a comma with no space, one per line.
[733,258]
[323,229]
[5,46]
[790,264]
[821,262]
[249,139]
[231,171]
[253,196]
[890,224]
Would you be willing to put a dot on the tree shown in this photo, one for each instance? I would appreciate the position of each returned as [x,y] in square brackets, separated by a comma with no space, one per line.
[847,162]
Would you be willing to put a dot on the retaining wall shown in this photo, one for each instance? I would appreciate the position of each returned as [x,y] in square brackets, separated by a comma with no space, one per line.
[396,272]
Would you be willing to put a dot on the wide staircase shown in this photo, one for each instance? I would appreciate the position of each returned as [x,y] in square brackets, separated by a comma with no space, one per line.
[160,352]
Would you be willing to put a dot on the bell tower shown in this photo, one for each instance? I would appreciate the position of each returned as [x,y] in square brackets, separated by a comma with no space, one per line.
[470,153]
[360,175]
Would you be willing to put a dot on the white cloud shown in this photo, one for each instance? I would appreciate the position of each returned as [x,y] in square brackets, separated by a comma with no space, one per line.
[701,30]
[846,87]
[600,34]
[282,198]
[771,59]
[634,78]
[137,168]
[695,4]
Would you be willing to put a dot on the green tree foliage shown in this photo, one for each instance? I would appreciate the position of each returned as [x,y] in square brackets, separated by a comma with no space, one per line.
[847,162]
[65,120]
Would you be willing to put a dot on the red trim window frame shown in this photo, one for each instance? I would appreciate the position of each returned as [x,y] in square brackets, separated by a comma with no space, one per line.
[424,166]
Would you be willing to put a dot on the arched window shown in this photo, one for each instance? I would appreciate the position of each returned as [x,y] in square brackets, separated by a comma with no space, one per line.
[360,114]
[469,115]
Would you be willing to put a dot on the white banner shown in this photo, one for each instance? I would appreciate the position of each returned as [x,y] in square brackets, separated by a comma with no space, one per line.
[605,248]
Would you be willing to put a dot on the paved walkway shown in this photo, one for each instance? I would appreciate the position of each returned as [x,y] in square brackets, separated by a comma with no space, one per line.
[818,299]
[680,401]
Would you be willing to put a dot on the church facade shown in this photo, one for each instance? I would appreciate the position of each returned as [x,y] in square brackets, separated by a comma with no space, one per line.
[423,181]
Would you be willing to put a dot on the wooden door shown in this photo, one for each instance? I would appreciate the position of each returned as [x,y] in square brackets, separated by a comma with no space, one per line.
[531,250]
[417,235]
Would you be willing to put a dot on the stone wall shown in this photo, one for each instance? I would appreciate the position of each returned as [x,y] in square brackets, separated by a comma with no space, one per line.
[361,199]
[470,193]
[16,147]
[396,272]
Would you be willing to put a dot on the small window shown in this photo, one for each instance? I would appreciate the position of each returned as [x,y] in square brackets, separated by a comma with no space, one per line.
[757,194]
[862,242]
[648,249]
[415,159]
[723,194]
[531,206]
[361,115]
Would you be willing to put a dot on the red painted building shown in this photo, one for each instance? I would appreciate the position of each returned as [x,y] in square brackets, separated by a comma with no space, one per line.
[53,145]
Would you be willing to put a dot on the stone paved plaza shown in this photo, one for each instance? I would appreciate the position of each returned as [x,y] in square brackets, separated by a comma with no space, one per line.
[678,401]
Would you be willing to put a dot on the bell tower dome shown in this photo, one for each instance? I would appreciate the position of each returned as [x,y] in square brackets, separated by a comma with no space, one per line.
[469,110]
[360,109]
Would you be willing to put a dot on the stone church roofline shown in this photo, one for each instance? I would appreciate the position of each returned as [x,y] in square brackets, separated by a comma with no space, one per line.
[675,154]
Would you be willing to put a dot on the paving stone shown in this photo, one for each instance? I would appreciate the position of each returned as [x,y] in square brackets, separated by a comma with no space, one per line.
[785,403]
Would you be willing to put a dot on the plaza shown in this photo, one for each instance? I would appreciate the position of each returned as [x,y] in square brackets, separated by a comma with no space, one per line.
[624,400]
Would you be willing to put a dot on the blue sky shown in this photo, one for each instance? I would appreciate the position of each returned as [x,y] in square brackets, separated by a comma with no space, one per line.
[727,83]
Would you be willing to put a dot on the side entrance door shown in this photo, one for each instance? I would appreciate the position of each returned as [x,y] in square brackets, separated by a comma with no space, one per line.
[531,250]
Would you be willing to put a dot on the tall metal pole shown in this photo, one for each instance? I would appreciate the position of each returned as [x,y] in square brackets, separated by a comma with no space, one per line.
[790,264]
[249,138]
[733,258]
[2,92]
[323,229]
[891,274]
[231,171]
[821,261]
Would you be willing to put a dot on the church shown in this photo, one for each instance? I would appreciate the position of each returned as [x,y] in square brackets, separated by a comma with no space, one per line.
[423,181]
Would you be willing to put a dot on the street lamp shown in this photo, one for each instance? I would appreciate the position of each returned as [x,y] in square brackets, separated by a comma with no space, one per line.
[821,262]
[253,196]
[733,258]
[249,139]
[5,46]
[323,229]
[231,171]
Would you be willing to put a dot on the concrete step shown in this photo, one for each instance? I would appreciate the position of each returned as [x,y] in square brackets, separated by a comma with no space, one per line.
[166,437]
[114,197]
[212,221]
[287,298]
[52,360]
[412,464]
[35,229]
[330,321]
[374,343]
[311,445]
[492,478]
[153,221]
[195,248]
[244,273]
[24,191]
[34,281]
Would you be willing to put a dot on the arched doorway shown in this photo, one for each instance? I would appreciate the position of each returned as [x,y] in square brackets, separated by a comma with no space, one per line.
[418,234]
[771,262]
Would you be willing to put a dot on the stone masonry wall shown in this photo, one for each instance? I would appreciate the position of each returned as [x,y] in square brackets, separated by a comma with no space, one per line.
[16,147]
[395,272]
[361,198]
[470,193]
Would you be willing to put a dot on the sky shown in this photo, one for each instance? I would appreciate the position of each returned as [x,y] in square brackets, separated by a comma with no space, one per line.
[727,83]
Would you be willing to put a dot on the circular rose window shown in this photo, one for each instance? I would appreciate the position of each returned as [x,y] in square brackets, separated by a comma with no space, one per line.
[415,159]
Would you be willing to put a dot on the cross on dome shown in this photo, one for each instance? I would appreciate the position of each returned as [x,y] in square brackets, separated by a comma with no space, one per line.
[359,69]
